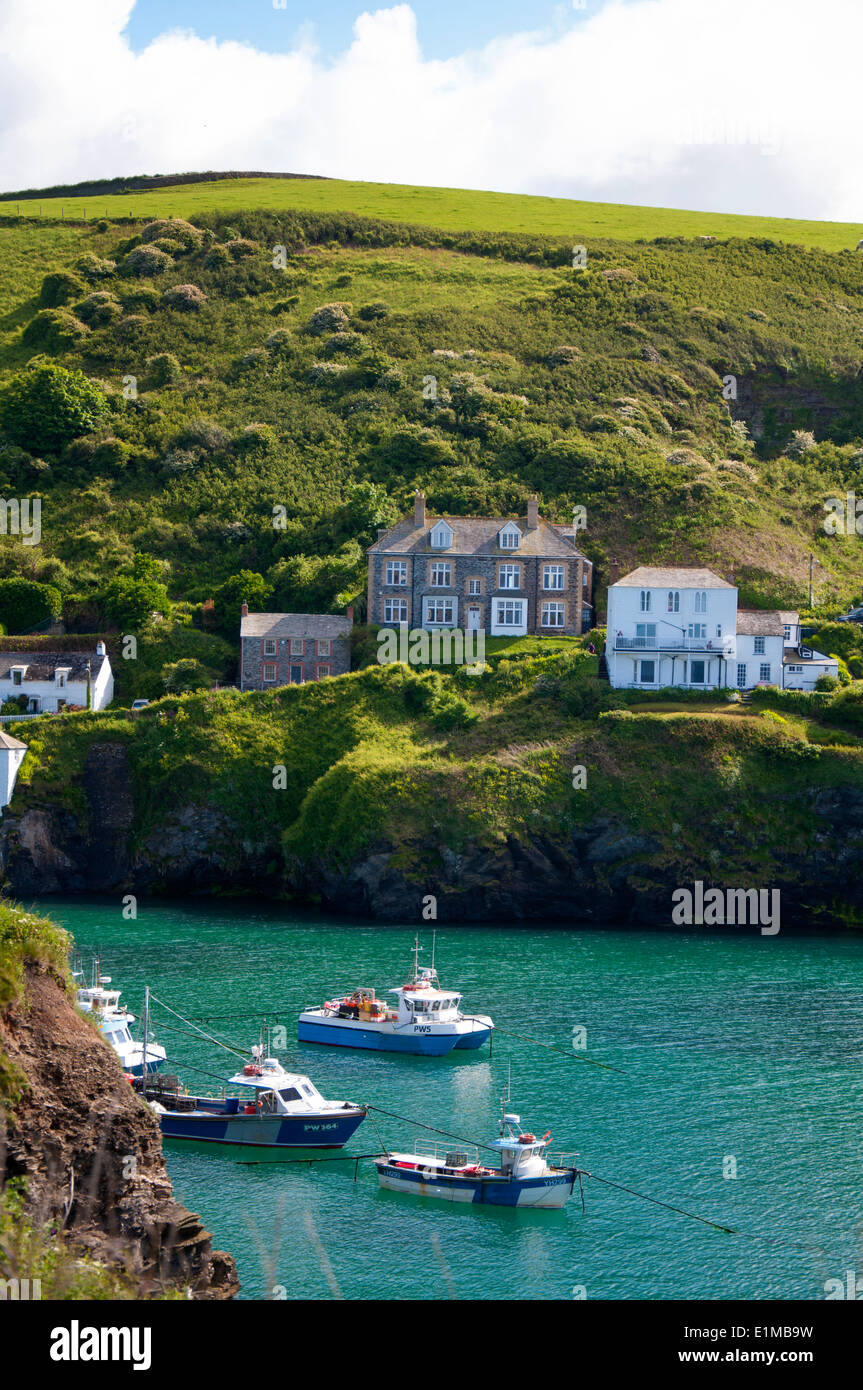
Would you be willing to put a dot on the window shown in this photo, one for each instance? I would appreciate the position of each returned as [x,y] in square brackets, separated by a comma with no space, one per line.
[696,672]
[697,629]
[674,601]
[584,579]
[787,632]
[509,536]
[794,670]
[645,600]
[553,577]
[397,572]
[741,677]
[395,610]
[441,574]
[764,671]
[290,1093]
[509,577]
[440,611]
[474,587]
[509,612]
[718,629]
[441,536]
[61,679]
[323,671]
[701,600]
[269,646]
[758,646]
[296,646]
[324,647]
[269,673]
[646,632]
[17,675]
[553,615]
[648,672]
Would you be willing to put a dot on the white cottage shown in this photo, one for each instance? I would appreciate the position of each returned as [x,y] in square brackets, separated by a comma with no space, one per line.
[682,627]
[53,681]
[12,754]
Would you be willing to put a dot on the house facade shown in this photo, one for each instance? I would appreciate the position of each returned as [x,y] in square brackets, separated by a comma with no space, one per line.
[292,648]
[54,681]
[505,577]
[682,627]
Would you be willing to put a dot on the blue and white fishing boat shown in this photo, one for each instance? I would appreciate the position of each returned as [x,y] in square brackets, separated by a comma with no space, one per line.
[276,1109]
[524,1177]
[115,1023]
[425,1019]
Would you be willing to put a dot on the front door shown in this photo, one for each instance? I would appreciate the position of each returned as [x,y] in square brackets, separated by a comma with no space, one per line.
[473,614]
[296,675]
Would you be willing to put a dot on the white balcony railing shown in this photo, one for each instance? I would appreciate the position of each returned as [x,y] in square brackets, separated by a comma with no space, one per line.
[716,646]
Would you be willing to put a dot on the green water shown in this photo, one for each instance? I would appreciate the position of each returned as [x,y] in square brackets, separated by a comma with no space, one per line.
[749,1048]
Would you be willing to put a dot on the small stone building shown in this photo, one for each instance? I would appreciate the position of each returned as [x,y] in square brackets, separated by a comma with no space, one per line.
[292,648]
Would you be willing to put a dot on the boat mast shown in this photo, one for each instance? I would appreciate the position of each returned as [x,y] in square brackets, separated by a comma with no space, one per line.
[417,949]
[146,1031]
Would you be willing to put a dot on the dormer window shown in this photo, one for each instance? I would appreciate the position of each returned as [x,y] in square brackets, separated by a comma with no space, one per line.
[509,536]
[60,675]
[441,536]
[18,674]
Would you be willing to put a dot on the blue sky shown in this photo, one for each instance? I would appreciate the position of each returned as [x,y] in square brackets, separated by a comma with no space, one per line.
[446,27]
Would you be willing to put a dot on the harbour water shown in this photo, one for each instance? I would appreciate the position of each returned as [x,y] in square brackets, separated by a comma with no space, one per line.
[734,1054]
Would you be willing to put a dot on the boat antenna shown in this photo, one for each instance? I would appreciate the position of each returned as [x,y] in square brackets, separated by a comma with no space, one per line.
[417,949]
[434,935]
[146,1031]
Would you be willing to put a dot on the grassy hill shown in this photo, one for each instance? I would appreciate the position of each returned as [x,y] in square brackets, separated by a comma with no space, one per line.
[455,209]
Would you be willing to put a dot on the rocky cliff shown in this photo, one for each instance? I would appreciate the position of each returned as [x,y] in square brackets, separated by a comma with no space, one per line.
[90,1151]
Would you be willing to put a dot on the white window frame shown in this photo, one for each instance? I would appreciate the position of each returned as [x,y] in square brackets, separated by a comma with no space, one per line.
[741,678]
[322,671]
[396,574]
[699,661]
[648,661]
[440,606]
[440,574]
[645,601]
[509,536]
[758,646]
[395,610]
[513,608]
[673,601]
[266,668]
[551,574]
[270,648]
[324,646]
[474,588]
[697,631]
[701,600]
[297,646]
[554,610]
[765,666]
[441,536]
[506,574]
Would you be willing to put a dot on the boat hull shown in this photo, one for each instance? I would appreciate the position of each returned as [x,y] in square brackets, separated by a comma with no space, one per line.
[469,1041]
[329,1131]
[550,1191]
[376,1037]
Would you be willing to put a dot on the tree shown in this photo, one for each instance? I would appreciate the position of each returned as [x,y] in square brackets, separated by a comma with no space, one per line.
[24,604]
[46,406]
[133,597]
[186,674]
[245,587]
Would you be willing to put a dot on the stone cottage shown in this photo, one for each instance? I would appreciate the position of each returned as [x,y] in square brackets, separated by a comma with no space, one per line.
[291,648]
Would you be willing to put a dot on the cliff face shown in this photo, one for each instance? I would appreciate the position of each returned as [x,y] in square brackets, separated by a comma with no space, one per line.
[608,871]
[91,1153]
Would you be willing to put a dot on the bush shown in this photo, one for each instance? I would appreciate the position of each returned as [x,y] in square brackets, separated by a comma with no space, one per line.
[376,310]
[280,340]
[169,246]
[99,309]
[217,258]
[46,406]
[163,369]
[147,261]
[133,597]
[142,297]
[562,356]
[94,268]
[188,236]
[60,287]
[326,373]
[186,674]
[801,442]
[241,247]
[54,330]
[329,318]
[24,604]
[184,297]
[344,342]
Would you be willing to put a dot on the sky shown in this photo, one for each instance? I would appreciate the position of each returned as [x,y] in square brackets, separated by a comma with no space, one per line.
[723,105]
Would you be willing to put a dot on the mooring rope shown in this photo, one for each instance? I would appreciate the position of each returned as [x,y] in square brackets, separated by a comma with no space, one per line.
[208,1036]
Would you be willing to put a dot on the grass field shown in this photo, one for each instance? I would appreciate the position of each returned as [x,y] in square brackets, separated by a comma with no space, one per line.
[450,208]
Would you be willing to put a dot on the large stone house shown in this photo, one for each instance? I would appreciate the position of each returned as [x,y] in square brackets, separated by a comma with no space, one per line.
[291,648]
[682,627]
[51,681]
[504,577]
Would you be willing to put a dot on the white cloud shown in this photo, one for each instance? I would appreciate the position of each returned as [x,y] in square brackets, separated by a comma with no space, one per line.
[734,106]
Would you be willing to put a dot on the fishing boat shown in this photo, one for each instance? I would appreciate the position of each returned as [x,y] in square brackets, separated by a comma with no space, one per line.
[425,1018]
[523,1178]
[276,1109]
[115,1022]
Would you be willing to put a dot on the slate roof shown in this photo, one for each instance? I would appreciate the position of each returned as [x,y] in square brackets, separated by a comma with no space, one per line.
[478,536]
[325,626]
[754,622]
[41,665]
[7,741]
[646,577]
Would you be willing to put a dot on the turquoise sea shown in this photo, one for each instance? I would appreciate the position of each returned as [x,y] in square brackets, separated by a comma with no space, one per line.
[733,1054]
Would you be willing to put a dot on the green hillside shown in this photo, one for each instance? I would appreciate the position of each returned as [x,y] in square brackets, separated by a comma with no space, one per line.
[454,209]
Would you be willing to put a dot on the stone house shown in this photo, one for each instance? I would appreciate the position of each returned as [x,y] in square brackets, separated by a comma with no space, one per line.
[292,648]
[506,577]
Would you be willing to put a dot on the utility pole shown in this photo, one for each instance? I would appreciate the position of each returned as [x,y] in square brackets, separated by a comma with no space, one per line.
[811,561]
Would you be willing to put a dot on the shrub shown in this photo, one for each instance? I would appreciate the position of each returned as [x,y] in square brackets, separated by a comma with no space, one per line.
[163,369]
[186,674]
[131,325]
[189,236]
[256,438]
[217,258]
[46,406]
[95,268]
[326,373]
[801,442]
[279,340]
[54,330]
[184,297]
[329,318]
[99,309]
[827,683]
[60,287]
[344,342]
[377,310]
[142,297]
[132,598]
[24,604]
[205,435]
[241,247]
[168,245]
[147,261]
[284,306]
[562,356]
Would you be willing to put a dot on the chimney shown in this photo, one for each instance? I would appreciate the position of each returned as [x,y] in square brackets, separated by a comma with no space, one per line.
[419,509]
[349,612]
[244,609]
[613,571]
[532,512]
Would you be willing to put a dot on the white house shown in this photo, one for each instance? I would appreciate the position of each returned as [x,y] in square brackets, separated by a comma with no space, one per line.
[682,627]
[11,757]
[52,681]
